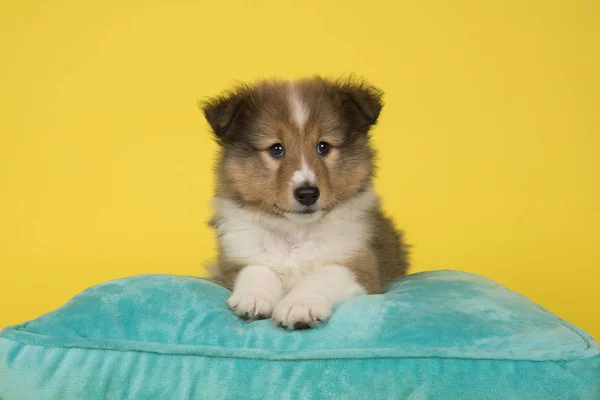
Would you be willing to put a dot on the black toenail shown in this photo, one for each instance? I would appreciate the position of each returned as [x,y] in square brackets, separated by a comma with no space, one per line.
[246,317]
[301,325]
[260,316]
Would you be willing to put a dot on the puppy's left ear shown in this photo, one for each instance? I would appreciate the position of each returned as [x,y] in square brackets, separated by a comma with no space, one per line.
[361,104]
[227,114]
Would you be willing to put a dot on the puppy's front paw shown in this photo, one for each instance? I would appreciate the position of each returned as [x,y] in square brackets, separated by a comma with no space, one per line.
[251,307]
[302,310]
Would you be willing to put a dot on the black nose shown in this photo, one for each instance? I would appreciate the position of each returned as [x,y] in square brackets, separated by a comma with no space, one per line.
[307,195]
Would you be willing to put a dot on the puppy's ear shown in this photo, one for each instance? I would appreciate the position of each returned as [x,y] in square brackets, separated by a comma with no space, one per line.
[361,104]
[227,113]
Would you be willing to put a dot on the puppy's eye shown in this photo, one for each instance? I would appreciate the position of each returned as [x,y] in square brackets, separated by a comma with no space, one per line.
[323,148]
[276,150]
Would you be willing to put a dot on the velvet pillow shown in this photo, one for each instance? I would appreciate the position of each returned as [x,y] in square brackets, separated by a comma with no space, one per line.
[443,334]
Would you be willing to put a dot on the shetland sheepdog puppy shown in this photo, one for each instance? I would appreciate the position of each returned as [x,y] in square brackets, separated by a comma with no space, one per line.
[299,226]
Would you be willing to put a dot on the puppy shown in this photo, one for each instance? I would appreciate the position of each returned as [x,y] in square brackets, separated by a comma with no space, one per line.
[299,226]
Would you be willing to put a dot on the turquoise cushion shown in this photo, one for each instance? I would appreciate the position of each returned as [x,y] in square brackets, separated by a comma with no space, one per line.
[445,334]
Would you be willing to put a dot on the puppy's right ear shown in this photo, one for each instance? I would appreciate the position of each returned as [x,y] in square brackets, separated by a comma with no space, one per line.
[227,113]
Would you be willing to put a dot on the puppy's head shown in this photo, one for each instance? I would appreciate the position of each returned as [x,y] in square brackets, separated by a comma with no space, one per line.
[294,149]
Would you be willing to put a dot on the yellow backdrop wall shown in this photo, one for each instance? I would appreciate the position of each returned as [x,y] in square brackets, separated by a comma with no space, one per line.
[489,142]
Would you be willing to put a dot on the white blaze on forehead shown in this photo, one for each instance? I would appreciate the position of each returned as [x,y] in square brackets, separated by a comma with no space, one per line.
[304,175]
[299,111]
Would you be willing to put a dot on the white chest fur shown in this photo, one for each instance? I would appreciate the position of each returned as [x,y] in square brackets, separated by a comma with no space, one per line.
[293,249]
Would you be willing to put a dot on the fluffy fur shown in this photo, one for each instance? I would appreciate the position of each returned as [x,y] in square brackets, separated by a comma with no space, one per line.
[284,259]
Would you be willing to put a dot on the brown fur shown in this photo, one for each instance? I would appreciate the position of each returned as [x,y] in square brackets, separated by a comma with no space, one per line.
[249,119]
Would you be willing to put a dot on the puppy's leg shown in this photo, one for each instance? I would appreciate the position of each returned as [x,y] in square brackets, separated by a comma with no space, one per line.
[255,293]
[313,298]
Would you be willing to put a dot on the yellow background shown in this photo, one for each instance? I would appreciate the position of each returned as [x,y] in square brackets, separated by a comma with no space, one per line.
[489,142]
